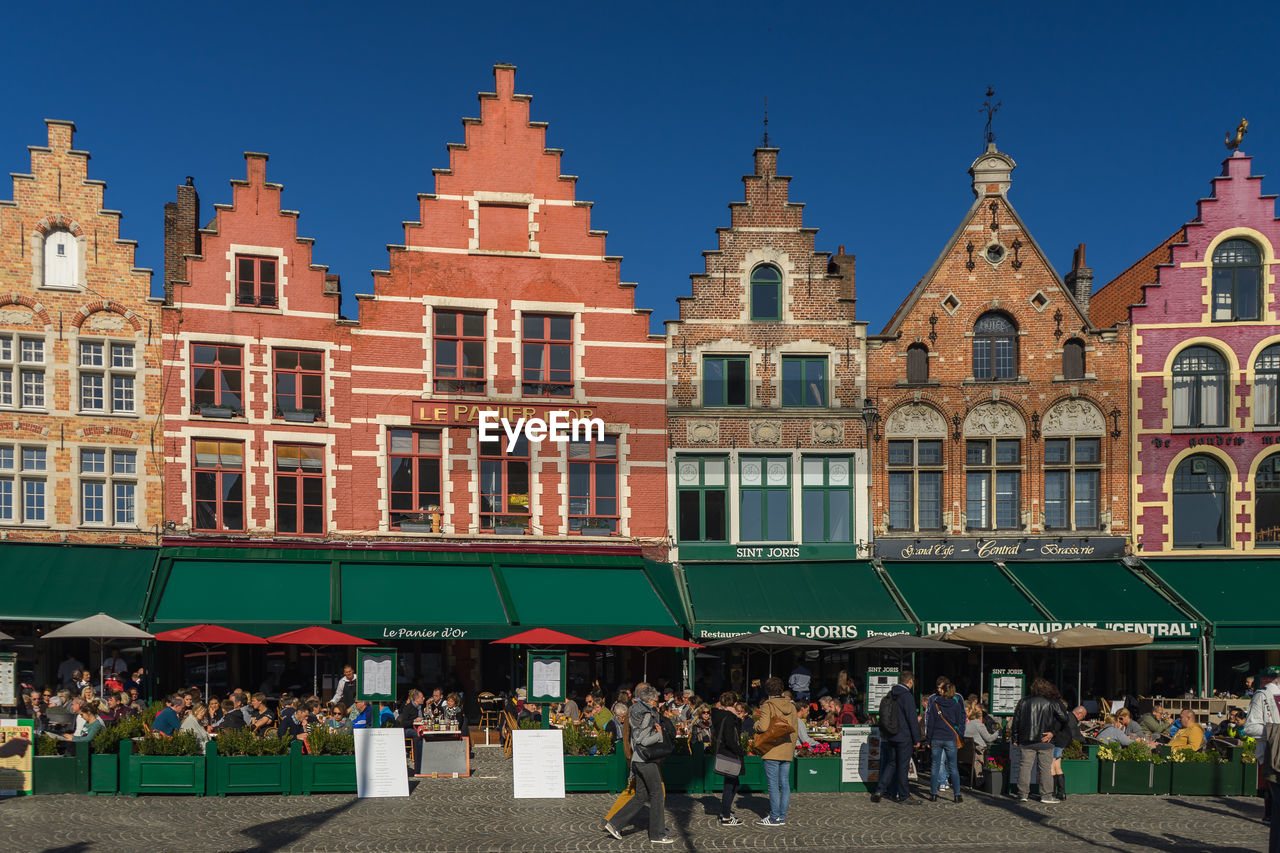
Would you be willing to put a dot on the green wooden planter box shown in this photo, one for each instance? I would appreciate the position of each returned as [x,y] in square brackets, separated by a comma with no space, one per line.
[752,778]
[584,773]
[1081,774]
[1249,779]
[160,774]
[62,774]
[818,774]
[686,774]
[1204,779]
[322,774]
[104,774]
[247,774]
[1132,777]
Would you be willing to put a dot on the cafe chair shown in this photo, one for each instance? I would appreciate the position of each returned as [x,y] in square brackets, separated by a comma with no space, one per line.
[509,725]
[969,756]
[490,713]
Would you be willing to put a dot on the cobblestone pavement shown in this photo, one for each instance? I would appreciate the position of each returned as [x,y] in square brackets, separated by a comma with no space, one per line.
[479,814]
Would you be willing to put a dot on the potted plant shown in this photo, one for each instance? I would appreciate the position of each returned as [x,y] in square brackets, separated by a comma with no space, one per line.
[1201,774]
[511,525]
[240,762]
[596,527]
[327,766]
[154,765]
[684,769]
[421,522]
[818,767]
[1132,769]
[1249,768]
[54,772]
[300,416]
[211,410]
[104,760]
[994,770]
[591,761]
[1080,768]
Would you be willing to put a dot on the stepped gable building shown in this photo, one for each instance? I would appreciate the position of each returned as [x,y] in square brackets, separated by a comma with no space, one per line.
[503,298]
[256,372]
[80,371]
[1002,405]
[1206,374]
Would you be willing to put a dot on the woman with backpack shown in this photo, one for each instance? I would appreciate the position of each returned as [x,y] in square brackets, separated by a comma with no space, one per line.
[727,745]
[777,726]
[944,720]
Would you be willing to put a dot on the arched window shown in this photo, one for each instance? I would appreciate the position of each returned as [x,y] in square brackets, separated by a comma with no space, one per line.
[1199,388]
[1266,387]
[1237,281]
[1073,359]
[1266,507]
[995,348]
[917,364]
[61,259]
[766,293]
[1200,487]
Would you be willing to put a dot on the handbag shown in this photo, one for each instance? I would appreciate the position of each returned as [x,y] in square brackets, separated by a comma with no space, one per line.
[661,749]
[778,733]
[954,733]
[726,765]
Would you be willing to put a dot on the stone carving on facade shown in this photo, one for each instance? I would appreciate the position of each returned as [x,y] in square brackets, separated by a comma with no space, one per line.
[104,321]
[766,433]
[1074,417]
[17,316]
[703,431]
[828,433]
[994,419]
[916,419]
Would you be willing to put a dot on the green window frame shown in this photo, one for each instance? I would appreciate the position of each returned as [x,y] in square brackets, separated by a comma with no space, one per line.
[826,500]
[766,293]
[764,499]
[725,380]
[804,381]
[702,499]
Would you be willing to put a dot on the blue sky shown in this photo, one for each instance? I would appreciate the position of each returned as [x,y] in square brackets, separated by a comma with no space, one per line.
[1114,112]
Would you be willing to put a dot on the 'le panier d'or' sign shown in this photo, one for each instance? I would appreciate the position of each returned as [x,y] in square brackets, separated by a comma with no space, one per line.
[1045,548]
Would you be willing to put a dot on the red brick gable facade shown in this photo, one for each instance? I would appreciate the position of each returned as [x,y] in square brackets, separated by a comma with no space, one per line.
[80,381]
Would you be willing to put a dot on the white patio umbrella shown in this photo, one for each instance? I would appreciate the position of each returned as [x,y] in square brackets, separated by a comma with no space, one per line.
[1086,637]
[4,636]
[768,642]
[985,634]
[100,627]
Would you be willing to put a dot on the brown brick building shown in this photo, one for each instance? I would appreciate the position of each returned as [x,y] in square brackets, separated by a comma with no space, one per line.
[1002,406]
[79,362]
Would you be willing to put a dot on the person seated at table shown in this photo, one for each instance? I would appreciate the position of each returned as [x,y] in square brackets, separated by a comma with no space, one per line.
[338,718]
[1126,722]
[848,715]
[361,715]
[1112,732]
[1190,735]
[454,716]
[287,705]
[570,710]
[620,705]
[413,712]
[214,706]
[91,724]
[975,730]
[168,721]
[196,721]
[802,725]
[525,711]
[435,705]
[1157,722]
[1232,726]
[262,719]
[597,712]
[298,724]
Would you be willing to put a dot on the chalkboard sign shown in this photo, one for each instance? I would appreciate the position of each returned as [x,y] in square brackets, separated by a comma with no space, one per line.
[444,757]
[376,675]
[1007,687]
[8,679]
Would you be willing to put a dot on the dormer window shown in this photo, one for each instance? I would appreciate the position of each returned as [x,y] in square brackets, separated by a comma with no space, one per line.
[61,260]
[256,282]
[766,293]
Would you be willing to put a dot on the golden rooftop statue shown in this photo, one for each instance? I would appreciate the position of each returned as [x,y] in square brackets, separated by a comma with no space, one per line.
[1234,142]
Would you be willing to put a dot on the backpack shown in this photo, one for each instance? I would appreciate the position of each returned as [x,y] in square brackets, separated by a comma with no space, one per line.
[890,714]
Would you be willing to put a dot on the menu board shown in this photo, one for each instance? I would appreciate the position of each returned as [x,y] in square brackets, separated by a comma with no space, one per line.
[376,675]
[860,757]
[537,763]
[380,766]
[546,676]
[15,757]
[879,683]
[1006,690]
[8,678]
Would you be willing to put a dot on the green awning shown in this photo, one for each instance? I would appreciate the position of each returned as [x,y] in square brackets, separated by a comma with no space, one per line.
[825,601]
[947,595]
[413,599]
[1226,591]
[591,602]
[1104,594]
[274,593]
[61,583]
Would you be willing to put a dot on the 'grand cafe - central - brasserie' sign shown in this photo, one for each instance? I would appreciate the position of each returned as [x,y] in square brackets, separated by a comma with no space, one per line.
[1044,548]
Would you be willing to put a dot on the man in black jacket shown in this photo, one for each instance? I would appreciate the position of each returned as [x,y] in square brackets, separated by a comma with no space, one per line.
[1037,718]
[895,747]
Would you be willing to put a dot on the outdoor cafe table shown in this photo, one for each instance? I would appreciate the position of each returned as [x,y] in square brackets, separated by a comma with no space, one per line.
[441,753]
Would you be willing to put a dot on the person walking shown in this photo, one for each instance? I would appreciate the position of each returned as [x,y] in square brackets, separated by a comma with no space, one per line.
[1037,717]
[646,732]
[899,734]
[944,718]
[779,749]
[1264,709]
[727,749]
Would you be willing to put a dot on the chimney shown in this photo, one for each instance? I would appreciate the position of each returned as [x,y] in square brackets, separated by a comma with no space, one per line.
[843,265]
[1080,280]
[181,236]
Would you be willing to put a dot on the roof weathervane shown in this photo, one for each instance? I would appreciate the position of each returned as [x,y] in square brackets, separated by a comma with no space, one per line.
[765,141]
[1233,142]
[990,109]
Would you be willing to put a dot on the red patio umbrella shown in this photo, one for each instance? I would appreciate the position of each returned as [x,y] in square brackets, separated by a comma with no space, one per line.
[648,640]
[207,636]
[544,637]
[312,637]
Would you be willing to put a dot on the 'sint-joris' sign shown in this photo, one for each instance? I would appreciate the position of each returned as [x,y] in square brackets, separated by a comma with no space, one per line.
[1044,548]
[509,420]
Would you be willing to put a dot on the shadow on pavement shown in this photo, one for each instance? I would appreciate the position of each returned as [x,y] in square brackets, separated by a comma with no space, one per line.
[78,847]
[275,834]
[1233,808]
[1170,841]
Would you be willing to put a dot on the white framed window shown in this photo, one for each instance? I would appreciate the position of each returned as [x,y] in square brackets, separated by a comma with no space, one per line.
[21,371]
[108,487]
[23,489]
[61,260]
[108,375]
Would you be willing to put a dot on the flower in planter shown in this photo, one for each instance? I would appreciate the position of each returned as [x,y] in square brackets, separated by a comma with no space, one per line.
[997,763]
[819,749]
[1190,756]
[1248,751]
